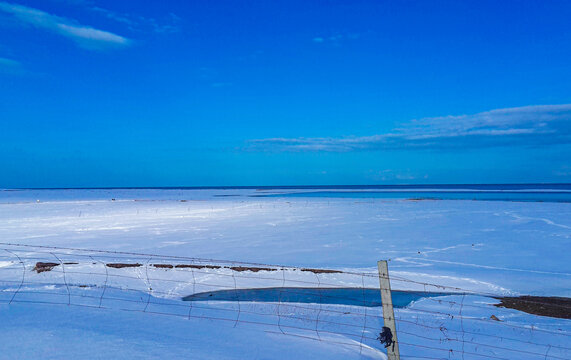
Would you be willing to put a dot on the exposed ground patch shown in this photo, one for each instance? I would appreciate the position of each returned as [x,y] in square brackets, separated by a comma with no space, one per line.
[44,266]
[120,265]
[322,271]
[250,268]
[163,266]
[188,266]
[47,266]
[557,307]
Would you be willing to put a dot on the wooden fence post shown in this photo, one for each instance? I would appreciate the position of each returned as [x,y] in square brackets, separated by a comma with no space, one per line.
[388,313]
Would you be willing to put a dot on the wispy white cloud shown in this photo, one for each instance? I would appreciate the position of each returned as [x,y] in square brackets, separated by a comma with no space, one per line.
[84,36]
[563,171]
[9,62]
[114,16]
[165,25]
[336,38]
[528,125]
[10,66]
[395,175]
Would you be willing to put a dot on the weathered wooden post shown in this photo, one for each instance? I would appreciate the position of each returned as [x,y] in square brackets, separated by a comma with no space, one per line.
[388,313]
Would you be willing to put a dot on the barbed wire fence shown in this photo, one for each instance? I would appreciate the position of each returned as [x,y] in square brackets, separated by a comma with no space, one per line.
[326,305]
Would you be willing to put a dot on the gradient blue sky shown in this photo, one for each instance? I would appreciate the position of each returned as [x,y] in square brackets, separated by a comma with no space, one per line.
[190,93]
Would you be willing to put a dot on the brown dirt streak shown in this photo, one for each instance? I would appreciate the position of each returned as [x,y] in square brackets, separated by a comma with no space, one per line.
[250,268]
[120,265]
[322,271]
[187,266]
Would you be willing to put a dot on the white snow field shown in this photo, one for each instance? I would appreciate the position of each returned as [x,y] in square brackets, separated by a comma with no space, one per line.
[82,308]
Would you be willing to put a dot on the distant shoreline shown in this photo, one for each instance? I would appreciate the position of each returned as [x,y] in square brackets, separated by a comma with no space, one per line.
[554,193]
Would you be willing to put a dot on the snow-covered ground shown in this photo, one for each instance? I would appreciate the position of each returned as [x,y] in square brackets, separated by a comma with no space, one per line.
[484,247]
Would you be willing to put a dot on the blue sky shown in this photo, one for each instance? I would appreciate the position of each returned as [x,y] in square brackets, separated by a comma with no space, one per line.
[190,93]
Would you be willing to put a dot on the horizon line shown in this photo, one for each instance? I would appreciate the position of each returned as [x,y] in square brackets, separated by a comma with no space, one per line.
[221,187]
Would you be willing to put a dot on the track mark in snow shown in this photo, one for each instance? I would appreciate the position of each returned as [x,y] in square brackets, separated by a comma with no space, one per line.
[451,281]
[547,221]
[171,243]
[487,266]
[436,250]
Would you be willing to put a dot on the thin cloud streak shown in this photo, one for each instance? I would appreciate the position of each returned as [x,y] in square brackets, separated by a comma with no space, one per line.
[536,125]
[165,25]
[9,62]
[84,36]
[11,67]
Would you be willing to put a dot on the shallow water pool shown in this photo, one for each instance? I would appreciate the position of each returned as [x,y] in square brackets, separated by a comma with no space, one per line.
[337,296]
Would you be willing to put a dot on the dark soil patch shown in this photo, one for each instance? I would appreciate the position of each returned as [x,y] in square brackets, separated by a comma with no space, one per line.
[322,271]
[185,266]
[44,266]
[249,268]
[120,266]
[163,266]
[557,307]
